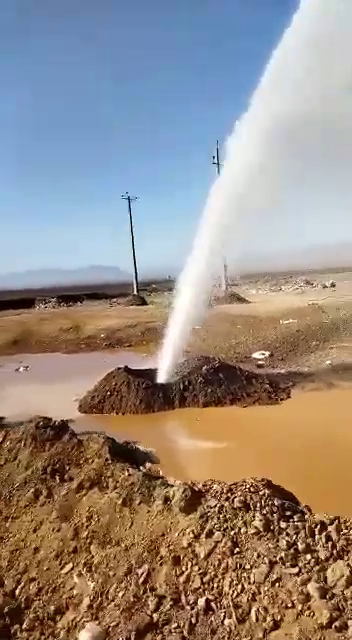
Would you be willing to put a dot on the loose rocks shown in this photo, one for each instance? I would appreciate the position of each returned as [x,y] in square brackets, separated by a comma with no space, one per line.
[200,382]
[91,632]
[90,534]
[338,576]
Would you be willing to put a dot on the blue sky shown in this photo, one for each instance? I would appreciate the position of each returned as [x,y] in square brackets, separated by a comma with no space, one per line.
[100,97]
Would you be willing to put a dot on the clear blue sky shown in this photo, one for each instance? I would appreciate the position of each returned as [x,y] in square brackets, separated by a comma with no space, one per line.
[103,96]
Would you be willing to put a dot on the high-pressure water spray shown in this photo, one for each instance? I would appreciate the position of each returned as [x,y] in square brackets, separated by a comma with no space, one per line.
[289,155]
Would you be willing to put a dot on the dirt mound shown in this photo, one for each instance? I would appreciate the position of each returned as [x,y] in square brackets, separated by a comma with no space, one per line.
[134,300]
[88,538]
[229,297]
[126,390]
[201,382]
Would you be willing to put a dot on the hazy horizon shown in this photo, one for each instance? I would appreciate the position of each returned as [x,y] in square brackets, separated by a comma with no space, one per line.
[312,257]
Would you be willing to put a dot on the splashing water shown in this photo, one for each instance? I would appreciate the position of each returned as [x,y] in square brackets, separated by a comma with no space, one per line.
[292,149]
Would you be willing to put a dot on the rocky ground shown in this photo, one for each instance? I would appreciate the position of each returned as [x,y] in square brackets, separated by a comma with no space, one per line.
[91,533]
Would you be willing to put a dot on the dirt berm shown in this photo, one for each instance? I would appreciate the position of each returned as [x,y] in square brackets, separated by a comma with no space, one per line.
[91,532]
[199,382]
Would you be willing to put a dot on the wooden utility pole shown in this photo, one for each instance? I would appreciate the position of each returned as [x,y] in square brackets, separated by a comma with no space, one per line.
[217,163]
[130,199]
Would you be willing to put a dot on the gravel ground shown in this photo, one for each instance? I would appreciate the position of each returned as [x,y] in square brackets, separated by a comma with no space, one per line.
[92,533]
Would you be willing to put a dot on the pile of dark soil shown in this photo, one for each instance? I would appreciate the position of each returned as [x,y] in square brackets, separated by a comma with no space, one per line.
[200,382]
[229,297]
[134,300]
[88,536]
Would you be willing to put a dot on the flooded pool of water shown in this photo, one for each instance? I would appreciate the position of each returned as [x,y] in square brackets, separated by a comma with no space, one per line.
[305,444]
[54,382]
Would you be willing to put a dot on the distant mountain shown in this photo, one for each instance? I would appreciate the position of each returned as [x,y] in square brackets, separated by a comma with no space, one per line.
[36,278]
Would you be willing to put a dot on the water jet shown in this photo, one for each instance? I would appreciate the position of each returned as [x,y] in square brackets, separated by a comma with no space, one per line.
[291,151]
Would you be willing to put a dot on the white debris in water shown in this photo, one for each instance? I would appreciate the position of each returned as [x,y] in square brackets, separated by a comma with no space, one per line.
[22,368]
[91,632]
[289,155]
[288,321]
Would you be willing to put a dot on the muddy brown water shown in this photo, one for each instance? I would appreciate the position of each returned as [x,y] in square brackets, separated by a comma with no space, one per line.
[305,444]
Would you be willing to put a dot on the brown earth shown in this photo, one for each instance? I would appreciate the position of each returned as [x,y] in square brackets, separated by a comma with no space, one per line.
[201,382]
[320,327]
[90,531]
[134,300]
[76,329]
[229,297]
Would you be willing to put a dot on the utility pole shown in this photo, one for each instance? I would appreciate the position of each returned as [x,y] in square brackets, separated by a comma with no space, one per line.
[217,163]
[130,199]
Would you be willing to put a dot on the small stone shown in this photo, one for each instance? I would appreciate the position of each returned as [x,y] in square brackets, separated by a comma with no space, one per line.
[302,598]
[324,554]
[204,550]
[203,604]
[254,614]
[197,583]
[292,571]
[335,531]
[154,603]
[32,495]
[91,632]
[67,568]
[143,573]
[322,613]
[239,503]
[316,590]
[303,547]
[217,537]
[340,625]
[303,580]
[338,576]
[261,574]
[261,523]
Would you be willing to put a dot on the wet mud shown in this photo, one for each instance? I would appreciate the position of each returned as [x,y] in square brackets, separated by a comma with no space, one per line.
[200,382]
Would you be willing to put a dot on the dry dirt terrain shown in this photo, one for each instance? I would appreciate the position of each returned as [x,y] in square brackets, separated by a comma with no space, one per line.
[301,324]
[91,533]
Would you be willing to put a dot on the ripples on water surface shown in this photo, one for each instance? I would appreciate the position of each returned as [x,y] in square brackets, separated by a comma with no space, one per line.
[304,444]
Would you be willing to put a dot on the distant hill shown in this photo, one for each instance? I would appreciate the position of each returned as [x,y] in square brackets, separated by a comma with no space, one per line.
[36,278]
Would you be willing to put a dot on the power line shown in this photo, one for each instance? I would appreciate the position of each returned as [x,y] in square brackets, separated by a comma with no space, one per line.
[131,199]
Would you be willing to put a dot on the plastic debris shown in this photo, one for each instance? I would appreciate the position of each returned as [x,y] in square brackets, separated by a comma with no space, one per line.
[22,368]
[261,355]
